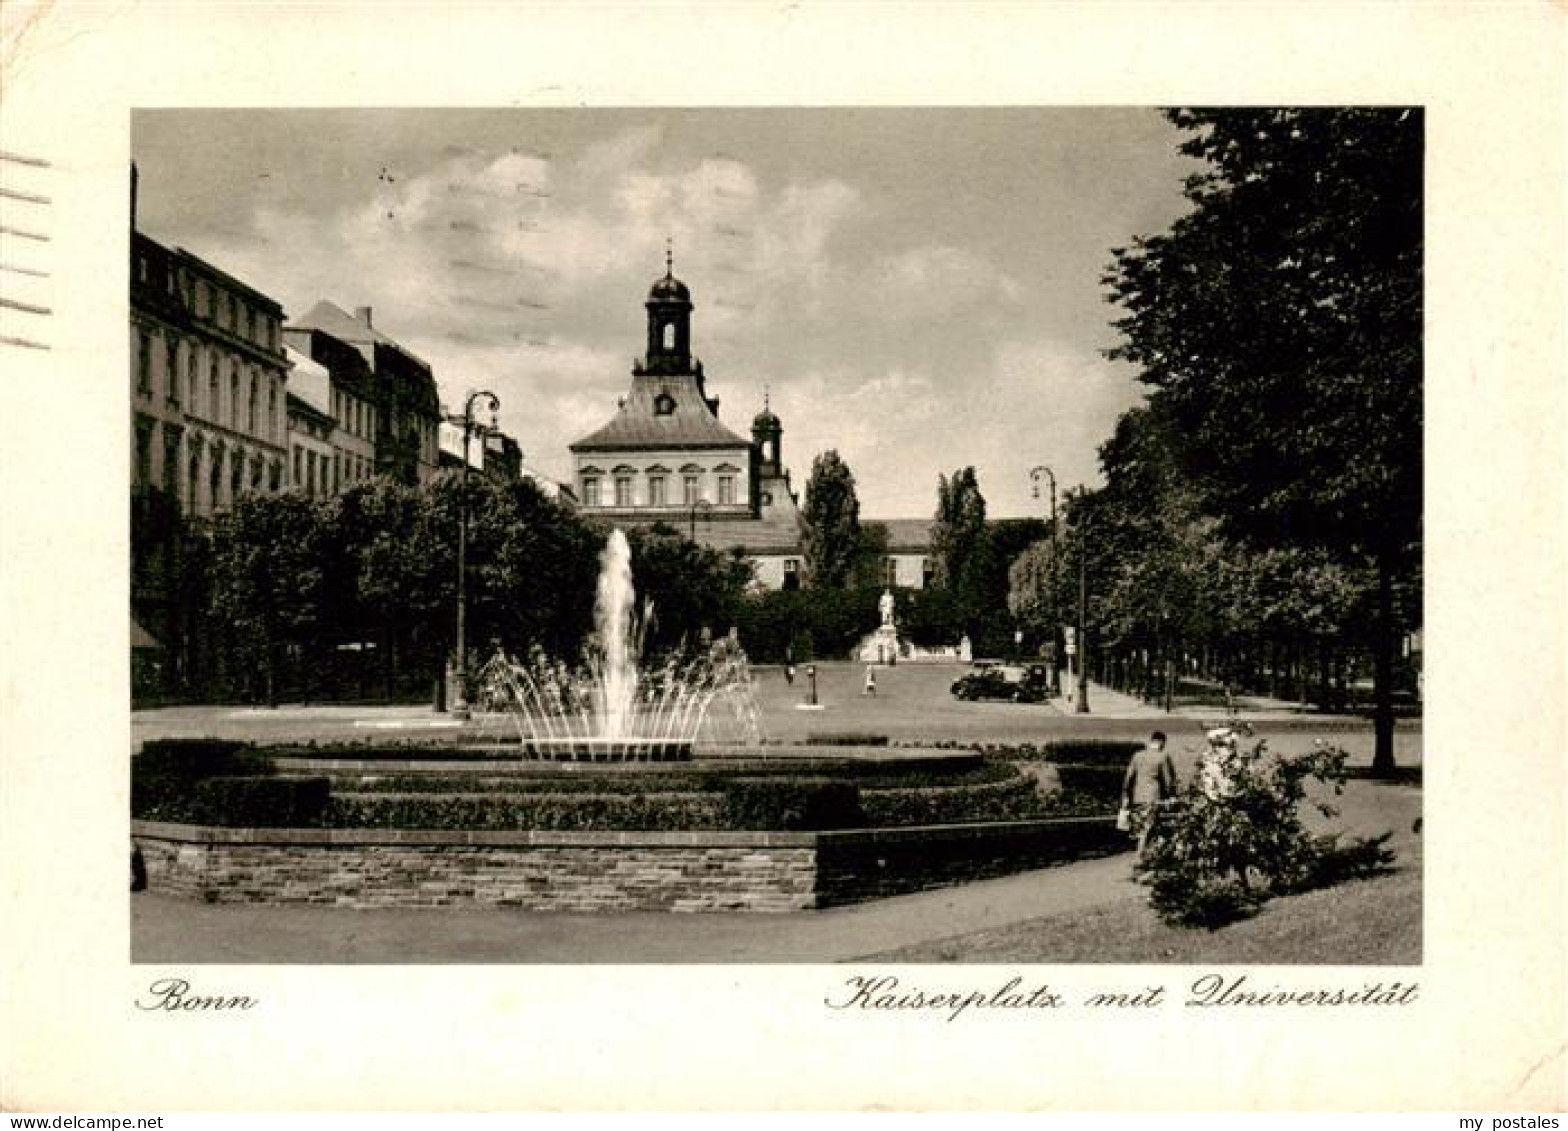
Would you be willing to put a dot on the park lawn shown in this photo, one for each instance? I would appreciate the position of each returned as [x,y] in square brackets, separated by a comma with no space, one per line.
[1365,922]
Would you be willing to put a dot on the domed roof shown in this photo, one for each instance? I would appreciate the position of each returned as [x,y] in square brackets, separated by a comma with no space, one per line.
[669,289]
[765,421]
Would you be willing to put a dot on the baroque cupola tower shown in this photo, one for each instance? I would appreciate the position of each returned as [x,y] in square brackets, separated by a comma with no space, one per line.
[669,324]
[767,433]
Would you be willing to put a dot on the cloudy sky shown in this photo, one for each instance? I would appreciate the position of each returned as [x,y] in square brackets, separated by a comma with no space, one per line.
[919,289]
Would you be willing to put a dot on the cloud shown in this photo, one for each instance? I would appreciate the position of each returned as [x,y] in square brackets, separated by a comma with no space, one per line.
[935,279]
[907,348]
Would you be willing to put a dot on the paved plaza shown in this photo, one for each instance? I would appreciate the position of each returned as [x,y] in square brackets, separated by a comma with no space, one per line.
[912,704]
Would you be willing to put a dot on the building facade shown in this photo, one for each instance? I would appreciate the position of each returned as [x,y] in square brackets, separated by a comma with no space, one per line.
[403,422]
[208,379]
[313,462]
[351,401]
[208,387]
[666,457]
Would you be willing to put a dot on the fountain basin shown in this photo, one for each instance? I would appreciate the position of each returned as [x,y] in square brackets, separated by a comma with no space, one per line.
[606,749]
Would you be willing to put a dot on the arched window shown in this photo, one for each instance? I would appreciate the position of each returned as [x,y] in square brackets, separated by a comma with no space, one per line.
[234,397]
[251,413]
[212,391]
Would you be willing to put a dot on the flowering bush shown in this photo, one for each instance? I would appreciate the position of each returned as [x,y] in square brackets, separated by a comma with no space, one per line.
[1234,836]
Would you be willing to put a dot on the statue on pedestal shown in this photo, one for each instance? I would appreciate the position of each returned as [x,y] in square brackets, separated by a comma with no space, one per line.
[885,605]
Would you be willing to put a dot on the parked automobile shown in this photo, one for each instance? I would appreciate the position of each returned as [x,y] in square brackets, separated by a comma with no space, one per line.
[1014,683]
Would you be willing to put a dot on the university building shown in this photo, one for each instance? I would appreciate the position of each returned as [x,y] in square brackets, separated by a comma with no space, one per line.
[665,456]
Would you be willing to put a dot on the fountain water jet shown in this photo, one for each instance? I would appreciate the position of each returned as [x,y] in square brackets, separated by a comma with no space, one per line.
[611,710]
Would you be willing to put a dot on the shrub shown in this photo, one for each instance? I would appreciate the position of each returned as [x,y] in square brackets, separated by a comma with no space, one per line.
[665,812]
[1094,789]
[798,804]
[243,802]
[192,758]
[1234,837]
[167,772]
[1014,799]
[1092,752]
[846,740]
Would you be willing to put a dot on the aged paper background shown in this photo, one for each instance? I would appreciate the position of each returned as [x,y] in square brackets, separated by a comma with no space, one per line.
[1489,1030]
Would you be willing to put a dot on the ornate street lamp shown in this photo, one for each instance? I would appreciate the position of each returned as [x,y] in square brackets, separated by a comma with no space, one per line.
[470,427]
[1082,523]
[1035,475]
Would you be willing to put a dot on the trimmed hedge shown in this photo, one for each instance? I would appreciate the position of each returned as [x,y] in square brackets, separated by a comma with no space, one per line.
[239,802]
[942,774]
[1097,787]
[1092,752]
[666,812]
[799,806]
[192,758]
[846,739]
[1014,799]
[1069,752]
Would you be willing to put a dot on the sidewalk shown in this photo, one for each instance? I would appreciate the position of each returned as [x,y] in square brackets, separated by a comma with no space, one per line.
[1249,708]
[169,930]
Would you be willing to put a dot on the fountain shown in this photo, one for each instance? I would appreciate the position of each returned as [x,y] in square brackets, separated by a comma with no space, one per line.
[611,710]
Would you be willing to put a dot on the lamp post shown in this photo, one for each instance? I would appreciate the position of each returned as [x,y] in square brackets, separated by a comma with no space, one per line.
[699,504]
[1082,707]
[460,681]
[1035,475]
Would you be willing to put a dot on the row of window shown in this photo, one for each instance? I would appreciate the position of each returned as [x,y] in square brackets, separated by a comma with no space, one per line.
[206,300]
[355,416]
[321,473]
[657,493]
[228,474]
[232,472]
[243,385]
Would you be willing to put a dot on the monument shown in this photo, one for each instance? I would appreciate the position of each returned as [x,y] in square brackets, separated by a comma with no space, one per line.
[882,646]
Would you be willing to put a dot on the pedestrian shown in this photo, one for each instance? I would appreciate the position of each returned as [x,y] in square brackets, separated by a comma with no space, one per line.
[1150,781]
[789,672]
[871,681]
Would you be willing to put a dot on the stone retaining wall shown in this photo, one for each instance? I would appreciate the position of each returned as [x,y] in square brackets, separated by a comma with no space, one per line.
[624,871]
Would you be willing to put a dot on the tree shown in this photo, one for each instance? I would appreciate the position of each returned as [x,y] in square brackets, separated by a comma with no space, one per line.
[832,538]
[268,579]
[689,587]
[402,559]
[960,551]
[1279,323]
[869,570]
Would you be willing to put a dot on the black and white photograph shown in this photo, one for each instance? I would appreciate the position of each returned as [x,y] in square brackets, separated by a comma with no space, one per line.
[929,567]
[970,564]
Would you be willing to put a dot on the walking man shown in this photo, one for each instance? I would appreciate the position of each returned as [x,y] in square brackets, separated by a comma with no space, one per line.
[1150,780]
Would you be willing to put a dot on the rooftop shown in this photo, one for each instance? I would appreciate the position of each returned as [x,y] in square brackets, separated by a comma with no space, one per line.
[332,319]
[639,425]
